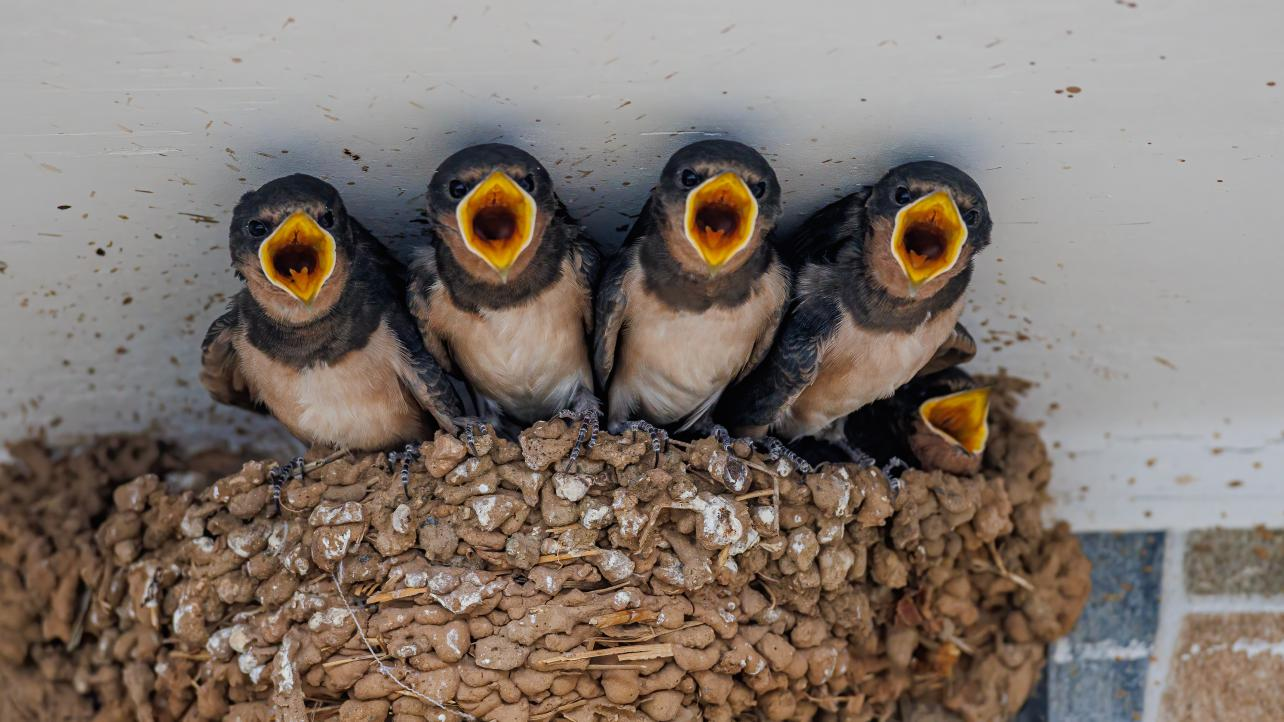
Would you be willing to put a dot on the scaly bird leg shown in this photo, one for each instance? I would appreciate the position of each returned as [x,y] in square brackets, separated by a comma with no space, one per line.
[659,437]
[472,426]
[585,410]
[776,450]
[281,474]
[735,474]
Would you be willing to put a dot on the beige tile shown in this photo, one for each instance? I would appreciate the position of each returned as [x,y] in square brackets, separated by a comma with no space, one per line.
[1235,561]
[1227,667]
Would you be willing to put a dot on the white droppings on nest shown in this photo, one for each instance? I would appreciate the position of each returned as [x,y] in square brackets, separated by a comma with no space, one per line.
[484,508]
[276,540]
[204,544]
[401,519]
[464,471]
[718,520]
[333,514]
[626,598]
[783,468]
[241,545]
[405,651]
[442,582]
[766,515]
[218,645]
[614,564]
[571,487]
[239,640]
[250,666]
[417,579]
[453,641]
[193,525]
[181,612]
[596,516]
[335,548]
[283,667]
[331,617]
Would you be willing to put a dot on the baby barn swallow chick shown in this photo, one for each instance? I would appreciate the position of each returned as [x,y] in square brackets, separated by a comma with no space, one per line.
[693,298]
[938,421]
[502,290]
[319,336]
[880,288]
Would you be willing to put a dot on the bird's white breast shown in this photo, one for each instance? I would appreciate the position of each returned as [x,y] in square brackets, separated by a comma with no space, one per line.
[357,402]
[859,366]
[671,364]
[529,358]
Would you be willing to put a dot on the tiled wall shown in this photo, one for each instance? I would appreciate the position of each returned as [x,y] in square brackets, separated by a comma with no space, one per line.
[1181,627]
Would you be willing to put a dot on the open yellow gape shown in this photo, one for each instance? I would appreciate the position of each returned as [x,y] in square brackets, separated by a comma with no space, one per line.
[960,418]
[298,257]
[497,221]
[720,218]
[928,237]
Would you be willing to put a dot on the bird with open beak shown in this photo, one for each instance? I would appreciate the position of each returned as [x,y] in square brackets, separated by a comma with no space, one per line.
[936,421]
[502,290]
[693,298]
[319,336]
[880,287]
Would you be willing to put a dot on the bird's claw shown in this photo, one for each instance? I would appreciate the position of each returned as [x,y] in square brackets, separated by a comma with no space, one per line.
[889,470]
[282,473]
[590,423]
[776,450]
[472,427]
[401,460]
[659,437]
[735,474]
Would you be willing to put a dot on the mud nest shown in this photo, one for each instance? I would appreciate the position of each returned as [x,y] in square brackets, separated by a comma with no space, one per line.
[497,586]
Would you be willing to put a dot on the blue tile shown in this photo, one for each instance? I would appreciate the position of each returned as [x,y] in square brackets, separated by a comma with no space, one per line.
[1036,707]
[1126,577]
[1098,673]
[1096,691]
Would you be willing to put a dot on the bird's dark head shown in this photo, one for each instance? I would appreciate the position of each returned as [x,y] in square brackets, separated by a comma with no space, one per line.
[950,424]
[491,205]
[292,242]
[715,202]
[926,221]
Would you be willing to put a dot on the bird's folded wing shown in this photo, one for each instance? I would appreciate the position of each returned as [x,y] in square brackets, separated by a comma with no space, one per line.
[789,368]
[220,372]
[423,376]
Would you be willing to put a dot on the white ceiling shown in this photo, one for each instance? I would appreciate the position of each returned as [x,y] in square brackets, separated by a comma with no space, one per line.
[1136,253]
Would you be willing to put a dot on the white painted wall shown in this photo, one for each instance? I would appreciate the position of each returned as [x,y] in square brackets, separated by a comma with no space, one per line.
[1136,258]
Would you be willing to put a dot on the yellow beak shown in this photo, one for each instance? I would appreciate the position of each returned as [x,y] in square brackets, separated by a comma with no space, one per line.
[298,257]
[960,418]
[928,237]
[720,217]
[497,221]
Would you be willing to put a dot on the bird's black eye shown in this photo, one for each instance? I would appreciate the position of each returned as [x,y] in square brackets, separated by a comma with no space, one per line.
[258,229]
[458,189]
[902,195]
[972,218]
[326,220]
[759,189]
[528,182]
[689,178]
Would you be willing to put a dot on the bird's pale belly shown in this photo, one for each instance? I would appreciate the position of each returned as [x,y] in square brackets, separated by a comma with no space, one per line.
[530,360]
[859,367]
[358,402]
[669,368]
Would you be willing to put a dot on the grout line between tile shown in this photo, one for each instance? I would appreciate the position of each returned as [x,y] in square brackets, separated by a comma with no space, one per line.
[1173,605]
[1234,603]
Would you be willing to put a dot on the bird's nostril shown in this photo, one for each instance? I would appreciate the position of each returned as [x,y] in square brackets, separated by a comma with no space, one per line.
[494,224]
[718,218]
